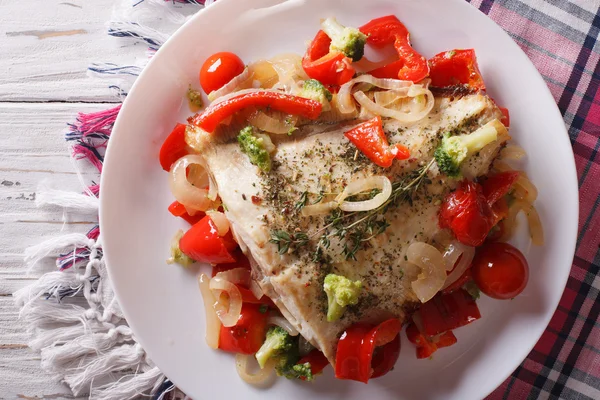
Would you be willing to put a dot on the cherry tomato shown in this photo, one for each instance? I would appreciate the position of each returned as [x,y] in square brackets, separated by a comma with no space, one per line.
[248,334]
[219,69]
[467,213]
[500,270]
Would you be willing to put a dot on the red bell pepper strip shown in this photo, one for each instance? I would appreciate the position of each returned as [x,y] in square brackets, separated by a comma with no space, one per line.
[446,312]
[427,345]
[455,67]
[203,243]
[240,261]
[370,139]
[173,148]
[317,362]
[210,118]
[248,334]
[329,68]
[355,351]
[179,210]
[467,213]
[411,66]
[497,186]
[464,278]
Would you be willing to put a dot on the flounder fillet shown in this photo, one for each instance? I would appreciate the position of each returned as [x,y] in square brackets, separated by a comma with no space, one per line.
[317,160]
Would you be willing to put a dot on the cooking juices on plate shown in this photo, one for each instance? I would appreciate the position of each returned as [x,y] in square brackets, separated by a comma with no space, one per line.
[338,199]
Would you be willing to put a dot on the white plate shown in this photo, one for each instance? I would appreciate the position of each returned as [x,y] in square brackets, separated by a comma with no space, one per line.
[162,302]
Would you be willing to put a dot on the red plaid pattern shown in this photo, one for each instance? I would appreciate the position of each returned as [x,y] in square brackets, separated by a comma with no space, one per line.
[562,39]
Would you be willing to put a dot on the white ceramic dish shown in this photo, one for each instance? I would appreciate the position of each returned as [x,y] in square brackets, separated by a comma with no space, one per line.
[162,302]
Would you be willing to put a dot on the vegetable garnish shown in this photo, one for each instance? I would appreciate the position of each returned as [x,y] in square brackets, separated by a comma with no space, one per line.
[178,210]
[210,118]
[203,243]
[500,270]
[329,68]
[383,31]
[455,67]
[341,292]
[254,148]
[248,334]
[427,345]
[446,312]
[355,352]
[173,147]
[219,69]
[370,139]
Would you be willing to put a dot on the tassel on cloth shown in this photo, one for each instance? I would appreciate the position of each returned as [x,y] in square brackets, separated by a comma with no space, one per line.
[72,316]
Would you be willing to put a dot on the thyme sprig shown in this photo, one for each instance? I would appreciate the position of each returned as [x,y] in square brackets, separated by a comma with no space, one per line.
[352,228]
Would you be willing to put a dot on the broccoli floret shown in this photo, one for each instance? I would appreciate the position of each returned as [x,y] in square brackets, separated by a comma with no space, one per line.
[283,349]
[254,147]
[341,292]
[177,256]
[277,344]
[455,149]
[297,371]
[313,89]
[349,41]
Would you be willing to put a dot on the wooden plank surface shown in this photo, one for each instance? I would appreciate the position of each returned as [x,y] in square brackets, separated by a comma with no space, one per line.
[46,46]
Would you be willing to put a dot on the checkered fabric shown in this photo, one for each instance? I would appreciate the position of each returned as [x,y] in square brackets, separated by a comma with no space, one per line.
[562,39]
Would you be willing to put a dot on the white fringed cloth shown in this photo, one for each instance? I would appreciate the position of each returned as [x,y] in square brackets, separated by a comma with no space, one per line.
[72,314]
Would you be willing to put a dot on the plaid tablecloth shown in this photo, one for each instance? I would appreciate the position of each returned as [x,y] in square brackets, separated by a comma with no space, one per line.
[561,37]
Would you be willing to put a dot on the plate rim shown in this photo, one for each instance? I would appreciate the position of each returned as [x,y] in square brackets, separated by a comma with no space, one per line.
[570,246]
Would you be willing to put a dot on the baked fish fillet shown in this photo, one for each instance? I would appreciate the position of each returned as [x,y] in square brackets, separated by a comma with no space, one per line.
[319,159]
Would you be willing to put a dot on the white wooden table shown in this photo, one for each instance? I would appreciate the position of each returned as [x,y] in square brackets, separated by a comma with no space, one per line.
[45,48]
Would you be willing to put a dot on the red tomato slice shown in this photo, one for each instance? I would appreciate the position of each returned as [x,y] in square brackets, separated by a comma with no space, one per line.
[219,69]
[317,361]
[203,243]
[248,334]
[500,270]
[448,311]
[467,213]
[173,148]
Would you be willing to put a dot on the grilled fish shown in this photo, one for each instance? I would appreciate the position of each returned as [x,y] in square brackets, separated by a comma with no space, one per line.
[314,164]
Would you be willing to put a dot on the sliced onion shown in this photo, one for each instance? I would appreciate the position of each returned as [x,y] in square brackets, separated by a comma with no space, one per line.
[376,109]
[238,93]
[454,250]
[524,189]
[513,152]
[213,324]
[273,121]
[231,86]
[361,186]
[256,289]
[183,191]
[263,73]
[220,221]
[465,257]
[345,93]
[237,276]
[278,320]
[228,314]
[261,377]
[433,270]
[535,227]
[289,70]
[319,208]
[304,346]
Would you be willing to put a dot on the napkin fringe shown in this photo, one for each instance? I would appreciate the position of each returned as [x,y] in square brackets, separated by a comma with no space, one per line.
[72,315]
